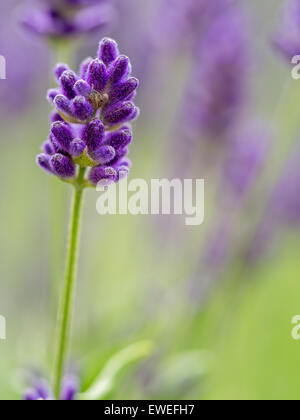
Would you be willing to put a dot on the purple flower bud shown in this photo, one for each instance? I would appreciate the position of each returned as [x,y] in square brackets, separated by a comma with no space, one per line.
[124,90]
[105,175]
[81,108]
[55,116]
[135,114]
[43,161]
[104,155]
[119,113]
[60,68]
[56,146]
[48,148]
[84,67]
[77,147]
[119,158]
[82,88]
[67,81]
[120,69]
[122,172]
[97,75]
[63,134]
[63,104]
[119,139]
[62,166]
[51,95]
[125,162]
[93,135]
[108,51]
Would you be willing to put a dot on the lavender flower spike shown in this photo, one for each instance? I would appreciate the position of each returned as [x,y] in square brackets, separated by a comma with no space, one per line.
[90,129]
[88,144]
[66,18]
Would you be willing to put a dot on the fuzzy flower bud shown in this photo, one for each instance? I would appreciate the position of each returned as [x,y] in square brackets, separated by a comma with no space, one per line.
[62,104]
[82,88]
[77,147]
[120,69]
[60,68]
[67,81]
[105,175]
[62,166]
[93,135]
[104,154]
[119,139]
[119,114]
[62,134]
[108,51]
[124,90]
[97,75]
[43,161]
[81,108]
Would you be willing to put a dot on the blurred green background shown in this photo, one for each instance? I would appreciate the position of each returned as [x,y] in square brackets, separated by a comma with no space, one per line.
[133,284]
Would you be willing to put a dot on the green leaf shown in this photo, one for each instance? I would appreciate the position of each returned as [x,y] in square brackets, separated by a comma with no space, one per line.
[107,377]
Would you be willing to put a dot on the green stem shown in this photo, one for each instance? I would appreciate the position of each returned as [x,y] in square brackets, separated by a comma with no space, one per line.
[64,320]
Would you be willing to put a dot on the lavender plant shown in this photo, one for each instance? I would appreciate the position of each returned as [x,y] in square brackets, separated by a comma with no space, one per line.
[88,144]
[61,19]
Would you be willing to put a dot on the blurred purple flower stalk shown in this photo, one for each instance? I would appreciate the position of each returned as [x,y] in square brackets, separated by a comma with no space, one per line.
[214,101]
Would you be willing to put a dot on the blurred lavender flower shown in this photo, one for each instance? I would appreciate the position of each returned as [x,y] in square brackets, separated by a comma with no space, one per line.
[94,107]
[60,19]
[246,155]
[283,209]
[285,202]
[26,77]
[215,98]
[182,22]
[217,248]
[287,39]
[40,389]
